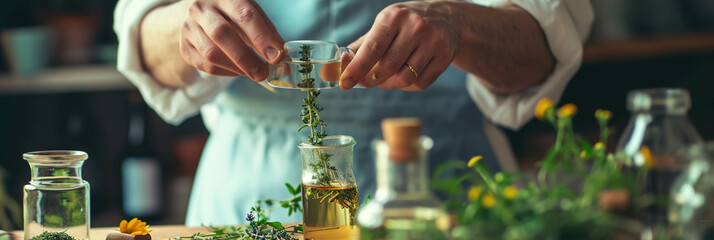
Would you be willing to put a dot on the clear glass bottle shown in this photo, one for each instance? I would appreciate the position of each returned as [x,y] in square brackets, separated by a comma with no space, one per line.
[57,198]
[691,209]
[329,189]
[403,206]
[652,147]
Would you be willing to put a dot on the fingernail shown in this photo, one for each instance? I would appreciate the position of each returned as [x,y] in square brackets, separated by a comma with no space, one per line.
[271,54]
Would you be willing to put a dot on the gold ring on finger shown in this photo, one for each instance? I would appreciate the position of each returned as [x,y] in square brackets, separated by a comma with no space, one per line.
[416,75]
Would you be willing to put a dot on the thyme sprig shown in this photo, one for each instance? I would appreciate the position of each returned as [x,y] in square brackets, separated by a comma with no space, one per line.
[310,113]
[310,116]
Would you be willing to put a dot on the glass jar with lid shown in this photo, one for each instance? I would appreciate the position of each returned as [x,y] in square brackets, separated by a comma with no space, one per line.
[57,198]
[403,206]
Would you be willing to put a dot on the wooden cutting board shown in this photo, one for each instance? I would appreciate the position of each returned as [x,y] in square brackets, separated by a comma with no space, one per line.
[158,233]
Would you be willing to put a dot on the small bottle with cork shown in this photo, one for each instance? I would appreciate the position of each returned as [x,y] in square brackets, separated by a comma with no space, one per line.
[403,206]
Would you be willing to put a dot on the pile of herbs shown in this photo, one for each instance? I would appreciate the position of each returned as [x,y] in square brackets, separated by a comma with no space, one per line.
[560,203]
[45,235]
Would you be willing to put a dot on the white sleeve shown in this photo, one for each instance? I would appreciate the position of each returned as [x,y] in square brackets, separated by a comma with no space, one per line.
[566,25]
[173,104]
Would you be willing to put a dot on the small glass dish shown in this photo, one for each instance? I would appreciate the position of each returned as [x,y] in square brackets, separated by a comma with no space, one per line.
[310,64]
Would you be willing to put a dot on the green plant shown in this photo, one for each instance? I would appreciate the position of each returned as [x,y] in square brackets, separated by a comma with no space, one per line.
[562,202]
[9,208]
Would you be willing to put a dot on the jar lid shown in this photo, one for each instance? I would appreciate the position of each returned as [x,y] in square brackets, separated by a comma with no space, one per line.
[55,156]
[402,135]
[659,100]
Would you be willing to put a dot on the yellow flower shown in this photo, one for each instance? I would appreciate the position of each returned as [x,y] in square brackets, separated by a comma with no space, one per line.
[488,200]
[567,110]
[583,154]
[598,146]
[511,192]
[603,114]
[647,156]
[474,193]
[134,227]
[474,160]
[542,107]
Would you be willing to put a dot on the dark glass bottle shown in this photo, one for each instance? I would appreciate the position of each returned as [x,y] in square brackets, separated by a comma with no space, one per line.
[141,169]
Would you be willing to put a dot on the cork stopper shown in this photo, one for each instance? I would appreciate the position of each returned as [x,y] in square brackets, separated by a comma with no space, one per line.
[402,135]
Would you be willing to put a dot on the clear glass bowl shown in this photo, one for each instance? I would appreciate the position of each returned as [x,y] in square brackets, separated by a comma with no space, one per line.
[310,64]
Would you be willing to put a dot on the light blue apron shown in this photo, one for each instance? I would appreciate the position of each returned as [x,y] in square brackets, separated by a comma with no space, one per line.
[252,150]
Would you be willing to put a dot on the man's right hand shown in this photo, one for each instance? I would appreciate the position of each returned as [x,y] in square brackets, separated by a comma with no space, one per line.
[217,35]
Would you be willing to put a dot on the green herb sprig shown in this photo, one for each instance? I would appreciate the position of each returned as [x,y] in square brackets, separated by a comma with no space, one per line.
[310,113]
[292,204]
[310,116]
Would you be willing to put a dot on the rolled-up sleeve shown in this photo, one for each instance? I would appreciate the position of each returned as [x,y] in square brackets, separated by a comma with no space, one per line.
[566,25]
[173,104]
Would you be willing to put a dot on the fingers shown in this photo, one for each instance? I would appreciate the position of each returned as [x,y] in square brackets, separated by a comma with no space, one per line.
[376,43]
[223,34]
[191,56]
[394,60]
[356,44]
[404,76]
[256,27]
[434,68]
[211,58]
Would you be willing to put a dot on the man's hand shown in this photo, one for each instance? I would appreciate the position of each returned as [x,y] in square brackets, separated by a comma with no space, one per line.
[408,47]
[216,37]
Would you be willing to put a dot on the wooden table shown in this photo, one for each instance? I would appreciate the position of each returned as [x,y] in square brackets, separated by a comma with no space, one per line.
[159,232]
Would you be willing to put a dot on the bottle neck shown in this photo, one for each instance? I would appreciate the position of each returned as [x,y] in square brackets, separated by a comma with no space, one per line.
[409,177]
[50,171]
[402,177]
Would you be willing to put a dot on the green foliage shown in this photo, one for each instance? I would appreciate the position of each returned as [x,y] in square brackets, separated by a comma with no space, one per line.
[292,204]
[45,235]
[10,213]
[561,202]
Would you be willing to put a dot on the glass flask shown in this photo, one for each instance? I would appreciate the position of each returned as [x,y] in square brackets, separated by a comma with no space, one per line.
[310,64]
[652,149]
[329,189]
[403,206]
[57,198]
[691,209]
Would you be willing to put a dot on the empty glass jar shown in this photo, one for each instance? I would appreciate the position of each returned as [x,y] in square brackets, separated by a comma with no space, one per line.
[652,147]
[57,198]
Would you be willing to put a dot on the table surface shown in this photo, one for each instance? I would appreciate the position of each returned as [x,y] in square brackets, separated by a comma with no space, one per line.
[158,232]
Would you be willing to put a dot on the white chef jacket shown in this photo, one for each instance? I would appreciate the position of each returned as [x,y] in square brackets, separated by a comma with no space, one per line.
[252,148]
